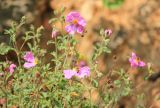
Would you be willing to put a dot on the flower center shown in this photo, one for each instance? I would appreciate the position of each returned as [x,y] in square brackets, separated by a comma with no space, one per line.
[35,61]
[137,60]
[75,21]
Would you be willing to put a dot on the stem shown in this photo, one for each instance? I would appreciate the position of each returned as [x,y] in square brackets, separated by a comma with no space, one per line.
[18,59]
[37,92]
[5,83]
[62,27]
[66,52]
[17,53]
[23,45]
[56,54]
[112,104]
[90,93]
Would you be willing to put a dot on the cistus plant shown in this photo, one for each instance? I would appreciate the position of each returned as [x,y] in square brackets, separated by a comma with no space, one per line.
[68,79]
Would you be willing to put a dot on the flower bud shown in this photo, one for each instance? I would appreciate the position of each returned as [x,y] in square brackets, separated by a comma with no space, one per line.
[54,33]
[108,32]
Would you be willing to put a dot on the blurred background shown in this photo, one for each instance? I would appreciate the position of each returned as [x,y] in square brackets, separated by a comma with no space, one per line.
[135,25]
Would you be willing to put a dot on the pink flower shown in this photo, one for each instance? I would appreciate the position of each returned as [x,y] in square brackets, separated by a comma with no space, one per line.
[135,61]
[82,64]
[68,74]
[108,32]
[54,33]
[76,23]
[30,61]
[11,68]
[81,73]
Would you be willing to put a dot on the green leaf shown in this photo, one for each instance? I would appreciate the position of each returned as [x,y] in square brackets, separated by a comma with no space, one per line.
[101,31]
[113,4]
[63,9]
[4,49]
[68,97]
[55,12]
[50,42]
[53,20]
[95,83]
[117,83]
[29,45]
[107,98]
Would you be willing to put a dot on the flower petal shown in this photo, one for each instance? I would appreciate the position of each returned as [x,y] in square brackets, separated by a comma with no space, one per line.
[135,61]
[82,22]
[134,55]
[29,57]
[84,71]
[28,65]
[68,74]
[108,32]
[77,23]
[11,68]
[71,16]
[71,29]
[141,64]
[80,29]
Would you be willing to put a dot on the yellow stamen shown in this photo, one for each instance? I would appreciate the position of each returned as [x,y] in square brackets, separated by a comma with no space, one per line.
[75,21]
[35,61]
[137,60]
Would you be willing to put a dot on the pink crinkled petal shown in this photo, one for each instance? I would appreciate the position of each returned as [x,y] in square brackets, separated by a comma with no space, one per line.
[82,22]
[71,16]
[141,64]
[80,29]
[11,68]
[134,55]
[28,65]
[84,71]
[71,29]
[29,57]
[68,74]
